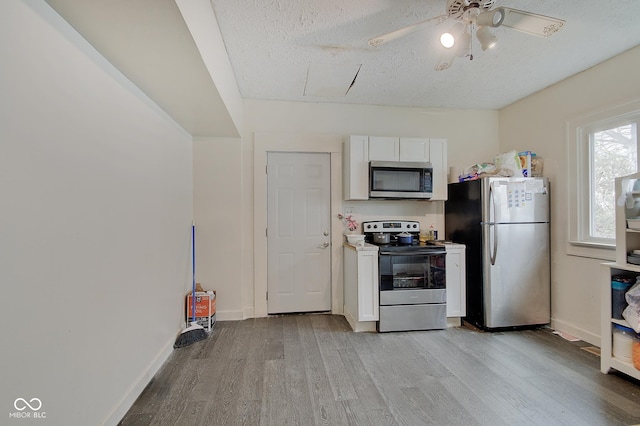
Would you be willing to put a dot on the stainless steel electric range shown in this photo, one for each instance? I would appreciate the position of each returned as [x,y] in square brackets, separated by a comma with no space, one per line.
[412,277]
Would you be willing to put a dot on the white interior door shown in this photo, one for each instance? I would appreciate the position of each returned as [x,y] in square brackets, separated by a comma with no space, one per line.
[298,233]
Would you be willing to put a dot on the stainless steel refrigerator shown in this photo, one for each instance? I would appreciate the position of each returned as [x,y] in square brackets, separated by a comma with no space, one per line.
[504,223]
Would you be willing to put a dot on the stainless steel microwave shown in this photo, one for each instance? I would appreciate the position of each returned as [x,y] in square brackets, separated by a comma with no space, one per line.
[399,179]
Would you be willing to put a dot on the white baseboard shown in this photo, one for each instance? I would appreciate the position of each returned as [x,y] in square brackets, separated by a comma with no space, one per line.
[581,334]
[231,315]
[249,313]
[454,322]
[358,326]
[349,318]
[120,410]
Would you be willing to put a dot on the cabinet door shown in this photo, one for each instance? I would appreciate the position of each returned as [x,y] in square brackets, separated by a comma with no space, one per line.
[355,178]
[414,149]
[368,294]
[456,283]
[438,159]
[384,148]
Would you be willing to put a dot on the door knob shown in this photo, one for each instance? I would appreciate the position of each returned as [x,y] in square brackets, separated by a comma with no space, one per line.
[325,233]
[324,245]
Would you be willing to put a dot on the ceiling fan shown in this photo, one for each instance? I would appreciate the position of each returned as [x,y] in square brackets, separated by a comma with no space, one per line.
[476,16]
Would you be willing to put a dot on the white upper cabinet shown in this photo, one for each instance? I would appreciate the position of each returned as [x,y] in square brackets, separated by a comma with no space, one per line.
[414,149]
[438,159]
[355,177]
[383,148]
[359,150]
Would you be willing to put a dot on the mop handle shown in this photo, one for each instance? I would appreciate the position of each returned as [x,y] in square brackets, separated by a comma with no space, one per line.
[193,272]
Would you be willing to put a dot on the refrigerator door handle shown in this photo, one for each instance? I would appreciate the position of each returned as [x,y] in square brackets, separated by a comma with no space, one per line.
[494,249]
[492,203]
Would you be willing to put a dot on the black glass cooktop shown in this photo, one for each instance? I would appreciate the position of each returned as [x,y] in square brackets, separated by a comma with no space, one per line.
[415,247]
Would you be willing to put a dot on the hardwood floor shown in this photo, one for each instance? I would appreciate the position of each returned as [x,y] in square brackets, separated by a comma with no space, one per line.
[313,370]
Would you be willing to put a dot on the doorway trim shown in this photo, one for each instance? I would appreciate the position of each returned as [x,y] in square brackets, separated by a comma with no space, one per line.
[303,143]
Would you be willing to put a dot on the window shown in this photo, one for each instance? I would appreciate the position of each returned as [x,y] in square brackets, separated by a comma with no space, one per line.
[602,147]
[613,153]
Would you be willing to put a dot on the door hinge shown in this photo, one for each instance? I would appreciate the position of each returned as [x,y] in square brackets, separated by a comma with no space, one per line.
[267,295]
[266,232]
[266,170]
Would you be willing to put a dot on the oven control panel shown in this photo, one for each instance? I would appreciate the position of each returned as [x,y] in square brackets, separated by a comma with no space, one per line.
[391,226]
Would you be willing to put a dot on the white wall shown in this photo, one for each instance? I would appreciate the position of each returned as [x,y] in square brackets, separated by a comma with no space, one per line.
[539,123]
[472,138]
[96,207]
[219,225]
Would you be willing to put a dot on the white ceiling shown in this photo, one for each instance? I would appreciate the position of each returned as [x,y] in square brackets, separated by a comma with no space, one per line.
[273,45]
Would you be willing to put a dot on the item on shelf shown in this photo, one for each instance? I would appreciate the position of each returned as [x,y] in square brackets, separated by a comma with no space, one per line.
[508,164]
[632,318]
[632,312]
[619,287]
[633,258]
[635,353]
[633,295]
[537,164]
[525,162]
[623,339]
[633,223]
[531,164]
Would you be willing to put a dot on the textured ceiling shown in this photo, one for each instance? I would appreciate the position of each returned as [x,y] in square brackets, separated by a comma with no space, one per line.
[290,49]
[272,44]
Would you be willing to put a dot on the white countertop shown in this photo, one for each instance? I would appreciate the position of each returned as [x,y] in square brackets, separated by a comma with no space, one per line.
[373,247]
[449,245]
[365,247]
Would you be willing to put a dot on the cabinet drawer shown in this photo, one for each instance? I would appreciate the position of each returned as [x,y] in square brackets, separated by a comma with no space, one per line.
[404,297]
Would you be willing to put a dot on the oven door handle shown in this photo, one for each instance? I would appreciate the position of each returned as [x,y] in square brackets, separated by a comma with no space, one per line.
[410,253]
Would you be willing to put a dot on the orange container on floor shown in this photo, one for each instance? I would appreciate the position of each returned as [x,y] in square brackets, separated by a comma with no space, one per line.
[205,308]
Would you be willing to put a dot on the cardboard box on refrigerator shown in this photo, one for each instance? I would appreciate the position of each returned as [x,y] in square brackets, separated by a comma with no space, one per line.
[205,308]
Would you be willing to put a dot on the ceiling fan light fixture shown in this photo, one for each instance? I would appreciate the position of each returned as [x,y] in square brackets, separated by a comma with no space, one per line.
[491,18]
[486,39]
[447,40]
[463,44]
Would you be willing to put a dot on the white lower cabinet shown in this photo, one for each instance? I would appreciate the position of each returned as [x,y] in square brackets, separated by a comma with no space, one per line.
[360,281]
[361,292]
[456,280]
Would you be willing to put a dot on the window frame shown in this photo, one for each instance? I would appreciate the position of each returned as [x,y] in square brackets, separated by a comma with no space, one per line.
[579,243]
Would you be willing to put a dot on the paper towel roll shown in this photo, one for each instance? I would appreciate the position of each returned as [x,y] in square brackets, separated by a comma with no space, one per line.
[454,174]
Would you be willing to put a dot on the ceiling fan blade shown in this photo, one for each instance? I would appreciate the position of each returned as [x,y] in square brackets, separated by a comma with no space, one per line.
[385,38]
[531,23]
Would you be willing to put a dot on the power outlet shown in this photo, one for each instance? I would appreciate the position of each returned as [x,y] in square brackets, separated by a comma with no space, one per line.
[348,210]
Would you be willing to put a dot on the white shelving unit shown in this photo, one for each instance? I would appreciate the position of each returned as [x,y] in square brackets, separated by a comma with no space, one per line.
[627,240]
